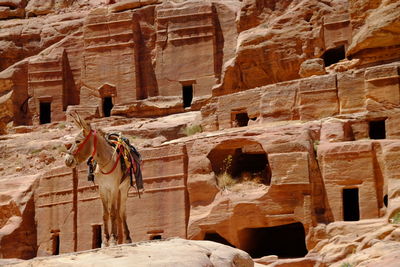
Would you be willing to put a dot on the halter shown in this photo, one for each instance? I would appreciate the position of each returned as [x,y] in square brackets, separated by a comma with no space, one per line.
[81,145]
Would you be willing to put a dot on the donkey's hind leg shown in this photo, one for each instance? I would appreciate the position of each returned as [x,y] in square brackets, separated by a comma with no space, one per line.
[123,195]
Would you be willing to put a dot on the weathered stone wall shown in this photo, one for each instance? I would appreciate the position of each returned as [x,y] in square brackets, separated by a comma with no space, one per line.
[183,196]
[111,55]
[156,33]
[351,166]
[18,233]
[163,208]
[374,89]
[228,212]
[374,40]
[131,47]
[69,206]
[46,84]
[337,30]
[55,212]
[313,137]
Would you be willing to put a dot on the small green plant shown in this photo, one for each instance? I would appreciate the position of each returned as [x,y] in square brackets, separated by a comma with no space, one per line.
[227,163]
[346,264]
[36,151]
[225,179]
[316,144]
[395,218]
[61,125]
[191,130]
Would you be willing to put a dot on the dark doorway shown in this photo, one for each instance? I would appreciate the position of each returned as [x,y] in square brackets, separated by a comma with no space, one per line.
[217,238]
[241,119]
[334,55]
[96,236]
[187,94]
[285,241]
[107,106]
[377,129]
[45,112]
[156,237]
[386,200]
[351,209]
[56,244]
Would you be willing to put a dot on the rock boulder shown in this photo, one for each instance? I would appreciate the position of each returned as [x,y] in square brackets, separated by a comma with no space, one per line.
[174,252]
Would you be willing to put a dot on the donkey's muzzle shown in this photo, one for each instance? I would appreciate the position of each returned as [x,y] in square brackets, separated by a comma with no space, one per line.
[70,161]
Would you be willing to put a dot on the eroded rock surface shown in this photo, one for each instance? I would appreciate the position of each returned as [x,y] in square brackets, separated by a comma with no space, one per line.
[176,252]
[254,119]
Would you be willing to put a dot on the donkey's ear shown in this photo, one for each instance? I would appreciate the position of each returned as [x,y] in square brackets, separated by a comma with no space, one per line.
[84,125]
[75,118]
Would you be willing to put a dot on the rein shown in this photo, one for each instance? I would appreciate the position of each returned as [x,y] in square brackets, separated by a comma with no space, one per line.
[115,164]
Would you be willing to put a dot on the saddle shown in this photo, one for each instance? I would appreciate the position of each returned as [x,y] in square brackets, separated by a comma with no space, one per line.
[130,160]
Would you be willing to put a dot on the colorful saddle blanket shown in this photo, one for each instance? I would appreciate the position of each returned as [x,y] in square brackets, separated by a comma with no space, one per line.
[130,160]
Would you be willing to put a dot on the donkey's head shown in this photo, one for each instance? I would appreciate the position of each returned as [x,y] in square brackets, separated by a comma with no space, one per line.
[83,145]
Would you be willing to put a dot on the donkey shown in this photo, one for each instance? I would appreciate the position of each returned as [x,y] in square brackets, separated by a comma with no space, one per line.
[113,188]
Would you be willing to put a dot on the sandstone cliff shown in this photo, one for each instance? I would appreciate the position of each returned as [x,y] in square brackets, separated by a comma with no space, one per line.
[269,126]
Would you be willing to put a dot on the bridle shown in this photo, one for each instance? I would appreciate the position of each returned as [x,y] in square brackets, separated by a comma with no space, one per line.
[81,145]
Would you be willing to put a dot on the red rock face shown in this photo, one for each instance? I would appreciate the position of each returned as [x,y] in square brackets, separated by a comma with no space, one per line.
[188,28]
[273,51]
[370,89]
[138,42]
[111,55]
[163,205]
[297,100]
[374,39]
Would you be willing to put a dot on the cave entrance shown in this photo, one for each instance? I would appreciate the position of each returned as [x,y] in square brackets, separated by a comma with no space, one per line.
[242,160]
[377,129]
[251,165]
[217,238]
[285,241]
[351,209]
[334,55]
[96,236]
[55,243]
[45,112]
[107,106]
[187,95]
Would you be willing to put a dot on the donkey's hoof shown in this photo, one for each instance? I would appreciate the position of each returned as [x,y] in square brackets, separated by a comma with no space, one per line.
[104,244]
[128,241]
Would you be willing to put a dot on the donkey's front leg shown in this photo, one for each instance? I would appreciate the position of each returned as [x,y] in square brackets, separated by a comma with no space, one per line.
[106,216]
[114,219]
